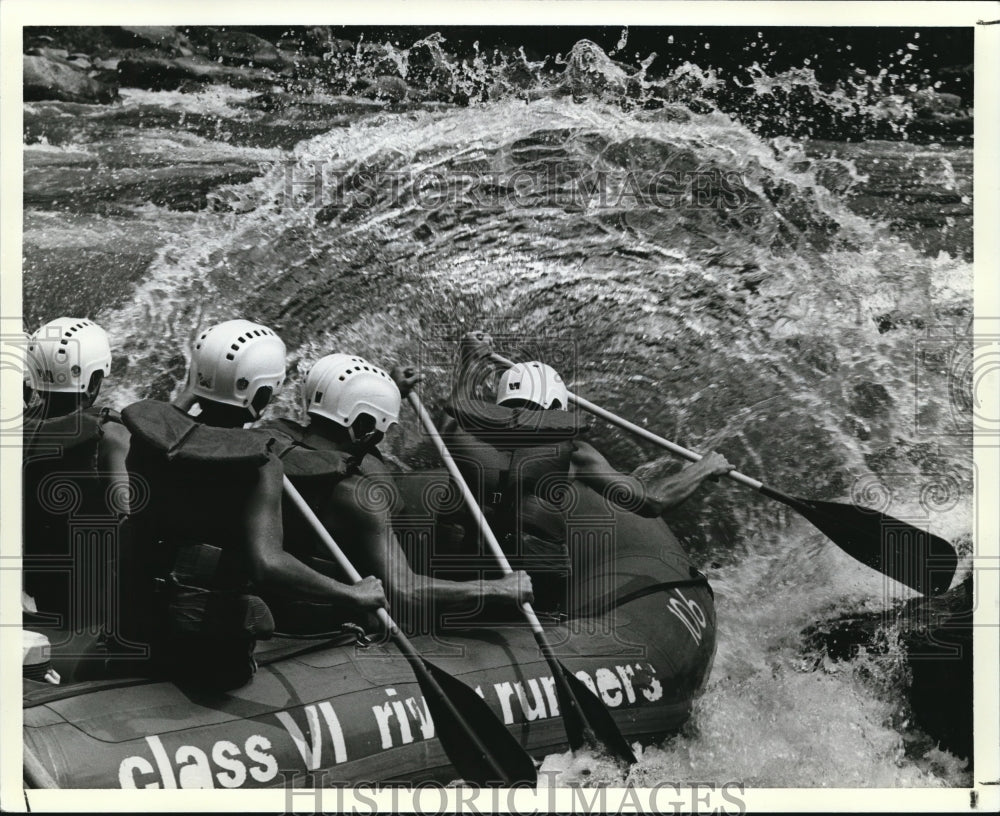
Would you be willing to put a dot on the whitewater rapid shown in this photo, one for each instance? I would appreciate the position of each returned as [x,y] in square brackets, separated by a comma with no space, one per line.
[774,323]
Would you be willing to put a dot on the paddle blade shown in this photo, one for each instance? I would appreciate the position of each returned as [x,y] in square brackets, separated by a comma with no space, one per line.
[506,753]
[587,719]
[907,554]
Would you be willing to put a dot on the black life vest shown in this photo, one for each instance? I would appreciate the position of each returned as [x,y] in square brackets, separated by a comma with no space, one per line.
[516,461]
[65,497]
[189,563]
[195,480]
[314,470]
[66,446]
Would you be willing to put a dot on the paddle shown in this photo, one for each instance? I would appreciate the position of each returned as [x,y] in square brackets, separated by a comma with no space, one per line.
[481,748]
[585,717]
[895,548]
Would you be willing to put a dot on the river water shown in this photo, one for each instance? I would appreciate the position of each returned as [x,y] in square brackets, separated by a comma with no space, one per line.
[802,307]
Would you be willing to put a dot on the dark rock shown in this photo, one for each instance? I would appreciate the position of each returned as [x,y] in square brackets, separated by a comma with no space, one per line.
[166,74]
[927,99]
[243,48]
[935,634]
[80,61]
[46,78]
[271,101]
[340,46]
[314,41]
[379,60]
[52,53]
[390,88]
[165,38]
[939,645]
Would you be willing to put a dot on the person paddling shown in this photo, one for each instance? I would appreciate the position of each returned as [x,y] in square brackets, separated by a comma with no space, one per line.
[524,448]
[209,536]
[74,479]
[335,463]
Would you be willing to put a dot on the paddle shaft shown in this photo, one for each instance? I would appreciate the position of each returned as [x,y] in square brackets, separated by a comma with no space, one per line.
[471,504]
[638,430]
[849,527]
[529,613]
[402,641]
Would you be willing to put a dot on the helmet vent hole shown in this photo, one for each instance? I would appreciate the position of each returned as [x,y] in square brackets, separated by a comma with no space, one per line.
[234,347]
[341,378]
[230,356]
[242,339]
[242,384]
[319,396]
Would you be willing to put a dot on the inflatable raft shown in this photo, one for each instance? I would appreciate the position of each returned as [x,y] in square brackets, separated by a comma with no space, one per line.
[326,713]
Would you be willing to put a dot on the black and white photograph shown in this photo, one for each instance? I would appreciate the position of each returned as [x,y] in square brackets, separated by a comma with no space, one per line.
[530,407]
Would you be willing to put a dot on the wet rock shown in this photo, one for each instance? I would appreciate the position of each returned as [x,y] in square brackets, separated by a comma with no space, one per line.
[927,99]
[244,48]
[52,53]
[314,41]
[157,73]
[47,78]
[389,88]
[271,101]
[379,60]
[164,38]
[935,636]
[80,61]
[340,46]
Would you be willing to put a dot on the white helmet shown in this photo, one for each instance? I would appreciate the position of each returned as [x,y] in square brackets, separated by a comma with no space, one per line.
[65,353]
[231,361]
[342,387]
[534,382]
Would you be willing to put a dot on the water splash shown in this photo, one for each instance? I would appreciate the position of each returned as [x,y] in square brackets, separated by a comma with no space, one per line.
[678,312]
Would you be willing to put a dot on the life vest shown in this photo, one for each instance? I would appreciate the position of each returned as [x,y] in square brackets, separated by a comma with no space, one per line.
[64,498]
[190,547]
[517,464]
[314,470]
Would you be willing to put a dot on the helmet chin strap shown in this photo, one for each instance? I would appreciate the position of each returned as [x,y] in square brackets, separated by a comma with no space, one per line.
[366,442]
[371,438]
